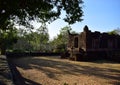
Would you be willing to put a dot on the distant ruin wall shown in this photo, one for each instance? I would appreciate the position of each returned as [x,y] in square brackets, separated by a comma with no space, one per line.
[94,45]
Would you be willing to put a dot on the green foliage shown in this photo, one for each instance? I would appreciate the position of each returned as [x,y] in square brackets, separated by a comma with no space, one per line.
[22,45]
[60,42]
[7,38]
[112,32]
[34,41]
[39,39]
[24,11]
[115,32]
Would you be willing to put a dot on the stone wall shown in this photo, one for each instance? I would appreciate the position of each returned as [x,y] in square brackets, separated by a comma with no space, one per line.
[95,45]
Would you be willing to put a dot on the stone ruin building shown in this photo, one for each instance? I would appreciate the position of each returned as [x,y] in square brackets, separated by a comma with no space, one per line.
[93,45]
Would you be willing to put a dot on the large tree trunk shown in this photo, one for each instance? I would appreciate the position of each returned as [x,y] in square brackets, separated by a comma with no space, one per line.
[3,51]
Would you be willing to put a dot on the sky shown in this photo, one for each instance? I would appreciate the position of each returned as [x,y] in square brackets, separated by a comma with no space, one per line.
[99,15]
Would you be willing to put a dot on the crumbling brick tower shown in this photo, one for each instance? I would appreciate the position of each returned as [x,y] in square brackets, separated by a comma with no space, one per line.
[93,45]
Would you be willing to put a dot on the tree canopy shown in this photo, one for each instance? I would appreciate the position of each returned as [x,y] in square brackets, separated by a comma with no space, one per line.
[115,31]
[7,39]
[33,41]
[59,43]
[23,11]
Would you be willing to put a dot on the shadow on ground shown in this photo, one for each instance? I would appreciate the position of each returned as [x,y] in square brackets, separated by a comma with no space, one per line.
[5,77]
[65,67]
[17,77]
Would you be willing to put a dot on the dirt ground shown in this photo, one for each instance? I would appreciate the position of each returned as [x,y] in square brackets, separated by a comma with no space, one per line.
[5,75]
[56,71]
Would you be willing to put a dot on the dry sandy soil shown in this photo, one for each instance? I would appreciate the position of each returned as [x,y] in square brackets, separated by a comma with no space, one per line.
[56,71]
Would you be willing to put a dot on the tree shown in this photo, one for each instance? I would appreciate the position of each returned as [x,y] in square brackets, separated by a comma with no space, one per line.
[60,42]
[24,11]
[115,32]
[43,37]
[63,36]
[7,39]
[33,40]
[112,32]
[22,44]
